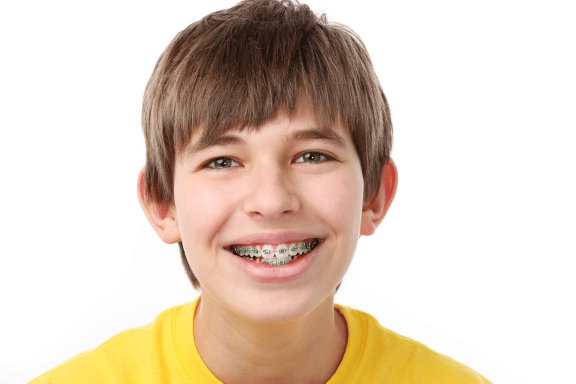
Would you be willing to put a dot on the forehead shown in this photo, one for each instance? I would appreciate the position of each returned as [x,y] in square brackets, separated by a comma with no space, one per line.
[298,128]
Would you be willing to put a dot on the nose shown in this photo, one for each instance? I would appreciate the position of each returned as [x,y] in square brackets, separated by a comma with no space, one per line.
[272,193]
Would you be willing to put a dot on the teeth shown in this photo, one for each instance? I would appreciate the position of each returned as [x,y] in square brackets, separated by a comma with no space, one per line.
[267,251]
[281,250]
[282,255]
[292,249]
[275,261]
[256,251]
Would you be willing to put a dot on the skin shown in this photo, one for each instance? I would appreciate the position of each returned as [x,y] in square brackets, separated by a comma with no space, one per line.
[270,332]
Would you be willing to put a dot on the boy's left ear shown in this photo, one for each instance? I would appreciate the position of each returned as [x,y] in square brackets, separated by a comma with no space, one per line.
[374,211]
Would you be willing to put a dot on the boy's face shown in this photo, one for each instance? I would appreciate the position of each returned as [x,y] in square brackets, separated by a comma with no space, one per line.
[280,181]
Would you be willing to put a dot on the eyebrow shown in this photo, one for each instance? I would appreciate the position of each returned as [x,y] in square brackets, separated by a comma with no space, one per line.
[309,134]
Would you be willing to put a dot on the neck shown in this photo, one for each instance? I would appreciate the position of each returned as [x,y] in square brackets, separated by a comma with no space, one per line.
[306,350]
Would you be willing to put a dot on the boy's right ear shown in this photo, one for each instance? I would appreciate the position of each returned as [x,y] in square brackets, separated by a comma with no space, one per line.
[163,219]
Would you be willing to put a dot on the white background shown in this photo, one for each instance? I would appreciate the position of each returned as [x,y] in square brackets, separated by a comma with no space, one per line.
[475,257]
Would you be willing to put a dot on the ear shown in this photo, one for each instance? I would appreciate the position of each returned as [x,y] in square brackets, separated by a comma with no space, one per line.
[374,211]
[163,219]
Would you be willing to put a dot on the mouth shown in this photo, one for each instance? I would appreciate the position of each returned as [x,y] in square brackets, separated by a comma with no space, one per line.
[275,254]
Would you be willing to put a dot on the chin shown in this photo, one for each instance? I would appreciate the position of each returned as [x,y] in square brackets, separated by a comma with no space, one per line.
[277,306]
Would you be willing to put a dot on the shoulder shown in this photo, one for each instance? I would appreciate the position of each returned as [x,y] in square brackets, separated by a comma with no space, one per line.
[121,357]
[388,356]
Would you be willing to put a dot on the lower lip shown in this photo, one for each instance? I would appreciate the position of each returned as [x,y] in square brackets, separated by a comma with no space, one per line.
[259,271]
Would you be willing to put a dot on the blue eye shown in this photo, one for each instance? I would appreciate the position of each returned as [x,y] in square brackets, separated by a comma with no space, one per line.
[312,157]
[221,163]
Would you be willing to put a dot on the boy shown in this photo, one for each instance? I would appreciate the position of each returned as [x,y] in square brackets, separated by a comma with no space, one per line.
[268,144]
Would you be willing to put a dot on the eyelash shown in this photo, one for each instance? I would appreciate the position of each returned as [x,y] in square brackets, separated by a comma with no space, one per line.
[324,156]
[213,161]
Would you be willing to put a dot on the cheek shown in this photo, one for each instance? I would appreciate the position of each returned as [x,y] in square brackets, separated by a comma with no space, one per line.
[201,211]
[339,198]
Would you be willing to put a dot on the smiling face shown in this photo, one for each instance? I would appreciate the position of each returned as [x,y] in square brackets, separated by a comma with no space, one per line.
[287,181]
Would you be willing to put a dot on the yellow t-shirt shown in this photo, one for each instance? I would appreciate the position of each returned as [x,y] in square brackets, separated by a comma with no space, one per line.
[164,352]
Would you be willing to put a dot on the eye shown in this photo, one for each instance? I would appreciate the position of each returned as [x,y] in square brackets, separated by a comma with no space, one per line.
[313,157]
[221,163]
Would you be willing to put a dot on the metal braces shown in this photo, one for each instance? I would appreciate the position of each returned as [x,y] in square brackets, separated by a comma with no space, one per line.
[237,251]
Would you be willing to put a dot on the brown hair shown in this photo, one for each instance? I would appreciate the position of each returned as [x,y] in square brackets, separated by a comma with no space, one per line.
[238,68]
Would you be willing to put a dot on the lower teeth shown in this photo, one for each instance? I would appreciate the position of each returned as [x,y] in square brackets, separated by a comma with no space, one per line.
[276,262]
[273,261]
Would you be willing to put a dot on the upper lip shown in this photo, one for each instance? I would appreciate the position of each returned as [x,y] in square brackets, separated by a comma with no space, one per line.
[273,238]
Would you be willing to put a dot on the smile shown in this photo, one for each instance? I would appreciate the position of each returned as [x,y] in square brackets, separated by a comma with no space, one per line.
[280,254]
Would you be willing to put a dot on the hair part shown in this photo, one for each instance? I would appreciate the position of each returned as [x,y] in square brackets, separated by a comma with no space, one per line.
[239,68]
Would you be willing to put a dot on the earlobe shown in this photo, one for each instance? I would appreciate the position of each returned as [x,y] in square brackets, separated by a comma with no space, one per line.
[374,211]
[162,218]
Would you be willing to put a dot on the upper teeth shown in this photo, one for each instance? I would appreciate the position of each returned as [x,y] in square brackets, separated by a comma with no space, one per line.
[267,250]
